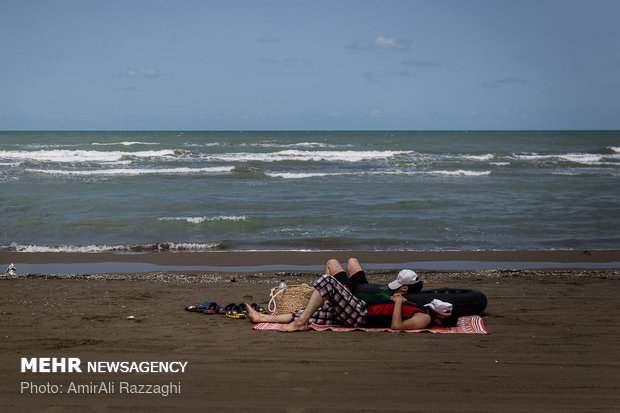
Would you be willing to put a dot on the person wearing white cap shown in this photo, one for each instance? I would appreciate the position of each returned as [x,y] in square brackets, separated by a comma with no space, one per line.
[407,281]
[354,278]
[404,278]
[333,302]
[440,312]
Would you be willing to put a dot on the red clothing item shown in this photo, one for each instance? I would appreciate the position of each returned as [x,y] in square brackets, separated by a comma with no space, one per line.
[379,313]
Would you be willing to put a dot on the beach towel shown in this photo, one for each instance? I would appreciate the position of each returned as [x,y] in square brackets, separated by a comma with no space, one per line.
[465,325]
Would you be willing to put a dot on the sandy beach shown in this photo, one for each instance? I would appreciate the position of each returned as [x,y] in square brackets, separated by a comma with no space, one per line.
[553,344]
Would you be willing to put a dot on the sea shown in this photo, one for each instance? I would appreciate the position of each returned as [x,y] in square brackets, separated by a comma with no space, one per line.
[141,191]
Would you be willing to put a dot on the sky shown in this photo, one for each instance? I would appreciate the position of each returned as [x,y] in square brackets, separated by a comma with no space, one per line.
[309,65]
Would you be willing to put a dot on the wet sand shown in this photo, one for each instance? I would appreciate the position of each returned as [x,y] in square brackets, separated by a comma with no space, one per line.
[553,345]
[260,258]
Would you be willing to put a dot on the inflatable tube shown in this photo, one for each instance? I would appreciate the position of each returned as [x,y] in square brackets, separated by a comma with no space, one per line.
[465,302]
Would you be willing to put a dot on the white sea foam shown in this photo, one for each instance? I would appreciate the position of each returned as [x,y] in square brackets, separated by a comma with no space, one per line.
[229,218]
[164,246]
[203,145]
[586,173]
[298,155]
[198,220]
[192,246]
[530,156]
[485,157]
[133,172]
[126,143]
[614,148]
[302,175]
[295,145]
[63,248]
[79,156]
[582,158]
[459,172]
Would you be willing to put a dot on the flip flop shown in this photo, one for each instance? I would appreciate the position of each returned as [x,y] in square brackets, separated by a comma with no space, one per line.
[237,312]
[194,308]
[258,308]
[229,307]
[198,308]
[212,308]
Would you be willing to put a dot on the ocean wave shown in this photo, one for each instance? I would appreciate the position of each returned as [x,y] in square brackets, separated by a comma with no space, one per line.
[298,155]
[125,143]
[459,172]
[579,158]
[302,175]
[133,172]
[485,157]
[614,148]
[198,220]
[81,156]
[266,145]
[296,145]
[582,158]
[585,173]
[136,248]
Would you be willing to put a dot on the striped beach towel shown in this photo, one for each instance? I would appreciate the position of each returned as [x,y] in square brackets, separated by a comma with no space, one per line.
[465,325]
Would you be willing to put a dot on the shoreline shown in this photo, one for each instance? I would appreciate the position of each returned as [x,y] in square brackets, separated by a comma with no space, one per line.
[250,261]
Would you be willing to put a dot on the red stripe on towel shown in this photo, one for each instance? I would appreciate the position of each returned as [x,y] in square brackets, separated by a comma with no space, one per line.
[465,325]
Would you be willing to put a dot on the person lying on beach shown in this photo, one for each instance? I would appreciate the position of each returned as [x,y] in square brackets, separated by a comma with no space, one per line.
[354,278]
[332,303]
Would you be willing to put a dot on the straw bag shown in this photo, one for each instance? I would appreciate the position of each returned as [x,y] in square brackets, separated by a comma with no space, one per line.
[292,298]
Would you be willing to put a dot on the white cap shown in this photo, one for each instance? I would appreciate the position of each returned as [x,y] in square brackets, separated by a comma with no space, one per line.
[405,277]
[440,307]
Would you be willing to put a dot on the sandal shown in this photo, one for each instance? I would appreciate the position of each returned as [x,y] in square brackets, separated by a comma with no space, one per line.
[258,308]
[237,312]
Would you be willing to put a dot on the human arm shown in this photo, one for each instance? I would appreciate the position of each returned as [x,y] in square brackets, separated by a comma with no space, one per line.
[417,321]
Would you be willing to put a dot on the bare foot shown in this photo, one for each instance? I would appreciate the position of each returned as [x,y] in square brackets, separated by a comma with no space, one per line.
[294,326]
[254,315]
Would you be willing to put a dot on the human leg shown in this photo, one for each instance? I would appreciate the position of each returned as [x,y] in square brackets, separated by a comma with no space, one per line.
[333,268]
[353,266]
[257,317]
[344,307]
[300,324]
[356,273]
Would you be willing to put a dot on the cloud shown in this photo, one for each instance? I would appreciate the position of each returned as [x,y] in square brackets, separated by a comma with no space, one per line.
[287,61]
[504,81]
[378,76]
[382,42]
[128,89]
[420,63]
[144,73]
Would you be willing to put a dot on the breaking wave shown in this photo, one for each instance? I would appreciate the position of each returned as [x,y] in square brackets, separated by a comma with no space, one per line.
[131,172]
[298,155]
[127,248]
[81,156]
[199,220]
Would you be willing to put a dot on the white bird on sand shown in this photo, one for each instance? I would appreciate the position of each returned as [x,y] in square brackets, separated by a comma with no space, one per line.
[11,270]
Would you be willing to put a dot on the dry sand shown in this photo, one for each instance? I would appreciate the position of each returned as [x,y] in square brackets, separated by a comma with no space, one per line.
[553,346]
